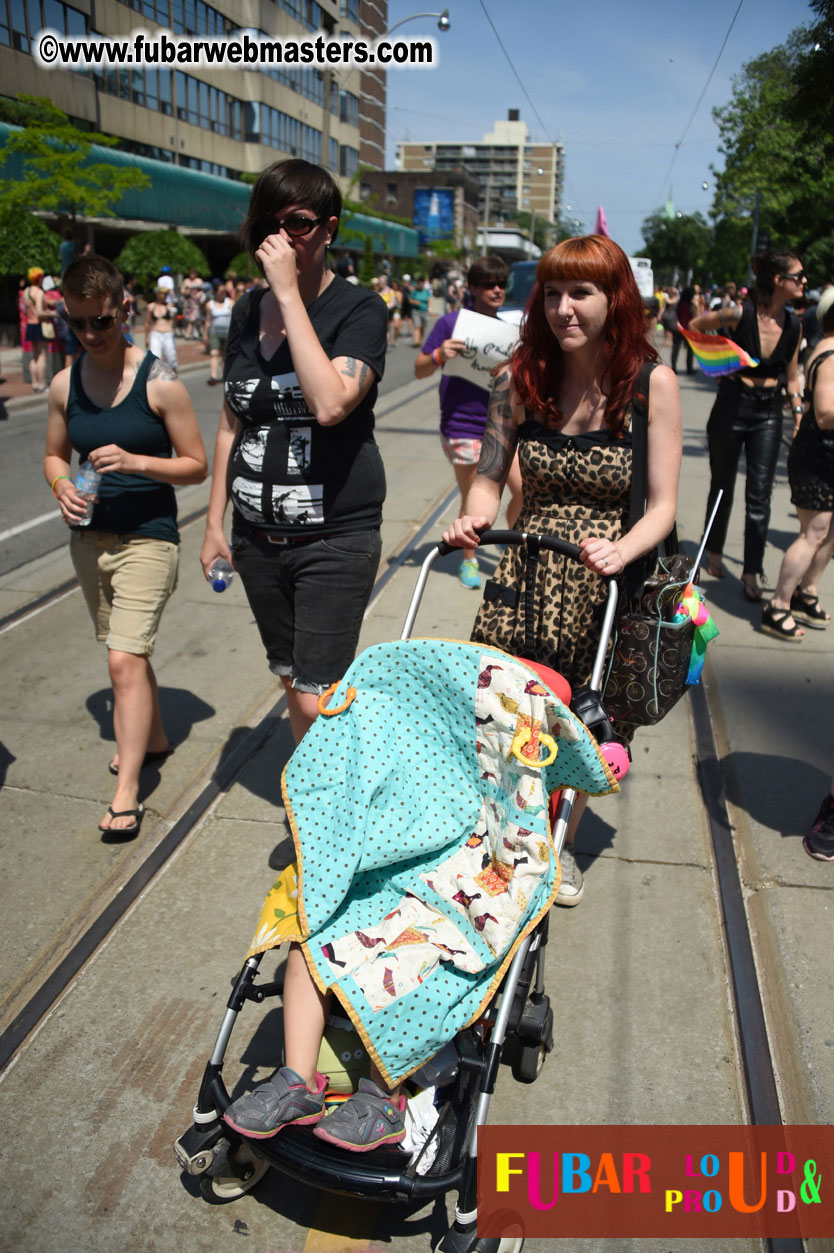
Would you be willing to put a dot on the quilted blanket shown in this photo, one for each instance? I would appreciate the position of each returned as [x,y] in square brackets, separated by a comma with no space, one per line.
[420,820]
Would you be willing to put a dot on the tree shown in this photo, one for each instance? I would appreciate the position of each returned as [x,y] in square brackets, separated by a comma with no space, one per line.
[771,155]
[542,228]
[26,242]
[58,172]
[681,243]
[145,255]
[242,266]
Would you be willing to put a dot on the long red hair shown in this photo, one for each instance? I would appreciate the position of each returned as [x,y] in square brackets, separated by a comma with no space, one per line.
[537,364]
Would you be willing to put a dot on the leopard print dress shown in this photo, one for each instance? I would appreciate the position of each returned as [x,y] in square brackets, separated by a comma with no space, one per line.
[574,485]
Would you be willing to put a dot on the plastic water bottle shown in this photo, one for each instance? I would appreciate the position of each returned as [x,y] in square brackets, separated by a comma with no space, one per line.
[87,482]
[220,575]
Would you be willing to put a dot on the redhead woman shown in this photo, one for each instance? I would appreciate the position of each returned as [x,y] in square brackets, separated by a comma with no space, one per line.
[565,402]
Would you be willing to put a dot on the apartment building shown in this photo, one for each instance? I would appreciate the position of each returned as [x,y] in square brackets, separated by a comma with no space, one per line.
[513,174]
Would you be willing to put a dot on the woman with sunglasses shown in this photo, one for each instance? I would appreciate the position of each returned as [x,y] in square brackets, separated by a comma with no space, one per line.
[463,405]
[124,411]
[295,448]
[747,413]
[565,402]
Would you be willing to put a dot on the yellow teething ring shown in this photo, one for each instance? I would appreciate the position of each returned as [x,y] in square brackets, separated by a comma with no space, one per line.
[325,697]
[523,737]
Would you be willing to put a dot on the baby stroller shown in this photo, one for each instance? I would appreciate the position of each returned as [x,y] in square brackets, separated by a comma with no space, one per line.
[494,1011]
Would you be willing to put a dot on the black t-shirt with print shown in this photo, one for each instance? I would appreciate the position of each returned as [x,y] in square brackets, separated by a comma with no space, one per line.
[288,474]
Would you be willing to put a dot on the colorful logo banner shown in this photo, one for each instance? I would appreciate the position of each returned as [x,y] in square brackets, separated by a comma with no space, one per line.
[647,1182]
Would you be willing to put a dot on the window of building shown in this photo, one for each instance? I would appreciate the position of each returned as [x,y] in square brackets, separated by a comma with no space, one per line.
[333,156]
[20,21]
[348,108]
[391,193]
[348,161]
[350,10]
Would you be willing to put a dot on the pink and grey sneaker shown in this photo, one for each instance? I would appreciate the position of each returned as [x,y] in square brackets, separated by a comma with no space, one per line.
[283,1099]
[369,1119]
[819,842]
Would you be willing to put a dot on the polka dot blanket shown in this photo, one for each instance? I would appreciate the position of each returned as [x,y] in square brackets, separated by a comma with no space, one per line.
[420,820]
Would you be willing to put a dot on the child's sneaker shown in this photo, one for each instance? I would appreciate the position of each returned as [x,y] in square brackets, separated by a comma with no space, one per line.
[469,573]
[283,1099]
[571,888]
[367,1120]
[819,842]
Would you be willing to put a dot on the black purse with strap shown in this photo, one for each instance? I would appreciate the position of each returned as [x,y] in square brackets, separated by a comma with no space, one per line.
[649,658]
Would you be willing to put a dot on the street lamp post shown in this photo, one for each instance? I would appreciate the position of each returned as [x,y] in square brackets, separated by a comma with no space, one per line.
[443,23]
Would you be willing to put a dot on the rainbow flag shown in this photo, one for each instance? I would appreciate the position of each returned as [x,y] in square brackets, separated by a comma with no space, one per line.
[716,354]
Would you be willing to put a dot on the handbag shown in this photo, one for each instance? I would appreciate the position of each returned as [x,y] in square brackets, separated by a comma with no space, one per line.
[650,656]
[649,659]
[48,329]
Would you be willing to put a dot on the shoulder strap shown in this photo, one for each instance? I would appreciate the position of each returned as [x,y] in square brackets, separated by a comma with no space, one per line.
[637,572]
[811,376]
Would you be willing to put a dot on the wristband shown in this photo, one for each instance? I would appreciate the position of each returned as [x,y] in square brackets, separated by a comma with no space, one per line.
[795,395]
[57,479]
[435,358]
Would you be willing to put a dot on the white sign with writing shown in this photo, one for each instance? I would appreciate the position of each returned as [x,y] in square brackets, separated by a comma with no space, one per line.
[488,342]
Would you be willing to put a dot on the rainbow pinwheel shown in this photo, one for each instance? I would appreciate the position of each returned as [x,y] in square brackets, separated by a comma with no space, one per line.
[691,605]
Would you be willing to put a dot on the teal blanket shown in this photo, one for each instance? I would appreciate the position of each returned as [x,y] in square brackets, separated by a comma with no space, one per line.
[421,827]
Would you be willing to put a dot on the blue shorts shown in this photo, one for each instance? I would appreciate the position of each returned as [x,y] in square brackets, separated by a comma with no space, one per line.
[308,600]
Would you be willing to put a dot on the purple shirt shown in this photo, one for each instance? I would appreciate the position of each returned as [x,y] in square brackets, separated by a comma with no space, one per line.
[463,405]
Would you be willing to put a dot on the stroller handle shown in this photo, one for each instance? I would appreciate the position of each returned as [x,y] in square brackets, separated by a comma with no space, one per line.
[519,537]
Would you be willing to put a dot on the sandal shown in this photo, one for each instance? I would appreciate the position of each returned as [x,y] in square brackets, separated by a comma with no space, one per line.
[124,833]
[773,623]
[807,607]
[715,568]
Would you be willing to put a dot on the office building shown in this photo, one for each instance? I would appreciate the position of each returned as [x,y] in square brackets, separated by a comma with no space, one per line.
[513,173]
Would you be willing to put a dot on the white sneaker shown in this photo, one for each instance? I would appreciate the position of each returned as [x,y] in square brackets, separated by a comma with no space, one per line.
[572,887]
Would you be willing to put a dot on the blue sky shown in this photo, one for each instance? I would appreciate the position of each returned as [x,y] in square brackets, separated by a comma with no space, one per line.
[615,80]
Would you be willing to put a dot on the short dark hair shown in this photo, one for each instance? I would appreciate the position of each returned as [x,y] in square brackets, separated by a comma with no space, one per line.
[766,266]
[93,278]
[487,270]
[285,183]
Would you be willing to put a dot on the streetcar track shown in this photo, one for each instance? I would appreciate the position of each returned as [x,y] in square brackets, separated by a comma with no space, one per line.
[122,895]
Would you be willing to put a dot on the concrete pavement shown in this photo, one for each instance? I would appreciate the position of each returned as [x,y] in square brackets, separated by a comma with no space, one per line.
[644,1022]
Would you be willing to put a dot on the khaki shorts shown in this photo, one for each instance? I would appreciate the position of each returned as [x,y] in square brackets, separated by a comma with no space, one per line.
[126,581]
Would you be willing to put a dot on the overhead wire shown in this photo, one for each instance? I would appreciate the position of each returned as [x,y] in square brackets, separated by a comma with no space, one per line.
[699,102]
[527,96]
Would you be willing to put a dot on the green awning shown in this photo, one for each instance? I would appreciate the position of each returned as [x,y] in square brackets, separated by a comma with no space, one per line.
[193,201]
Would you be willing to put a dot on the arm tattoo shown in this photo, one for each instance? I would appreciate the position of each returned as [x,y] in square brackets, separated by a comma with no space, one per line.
[160,370]
[363,374]
[501,434]
[350,367]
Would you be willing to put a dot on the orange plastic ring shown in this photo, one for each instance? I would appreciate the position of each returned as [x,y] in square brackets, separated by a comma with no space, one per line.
[325,697]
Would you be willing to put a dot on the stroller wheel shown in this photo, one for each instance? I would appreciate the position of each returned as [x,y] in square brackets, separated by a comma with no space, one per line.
[228,1187]
[527,1065]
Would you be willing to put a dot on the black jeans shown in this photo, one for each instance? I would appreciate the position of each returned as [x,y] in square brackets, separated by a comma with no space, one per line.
[748,418]
[677,342]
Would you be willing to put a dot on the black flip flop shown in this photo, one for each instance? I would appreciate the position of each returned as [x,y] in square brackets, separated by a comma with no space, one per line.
[124,833]
[147,760]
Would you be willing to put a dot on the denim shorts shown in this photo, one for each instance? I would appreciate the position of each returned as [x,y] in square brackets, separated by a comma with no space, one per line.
[308,600]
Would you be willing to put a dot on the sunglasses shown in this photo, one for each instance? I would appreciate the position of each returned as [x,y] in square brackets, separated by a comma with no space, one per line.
[798,277]
[497,283]
[296,226]
[102,323]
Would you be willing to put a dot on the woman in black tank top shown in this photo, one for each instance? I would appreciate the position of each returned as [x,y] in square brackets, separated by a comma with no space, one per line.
[811,475]
[748,409]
